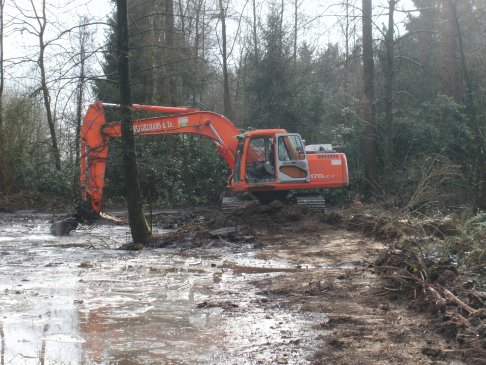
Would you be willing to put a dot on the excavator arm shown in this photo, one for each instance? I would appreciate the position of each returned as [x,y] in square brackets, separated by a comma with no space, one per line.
[96,133]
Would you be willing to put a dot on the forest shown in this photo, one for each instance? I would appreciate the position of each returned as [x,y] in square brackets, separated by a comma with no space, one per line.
[387,269]
[406,107]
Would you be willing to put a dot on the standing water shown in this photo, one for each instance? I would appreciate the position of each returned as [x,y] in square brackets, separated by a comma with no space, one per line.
[78,300]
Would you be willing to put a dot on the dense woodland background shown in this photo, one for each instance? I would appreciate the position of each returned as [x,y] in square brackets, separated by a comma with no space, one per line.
[407,107]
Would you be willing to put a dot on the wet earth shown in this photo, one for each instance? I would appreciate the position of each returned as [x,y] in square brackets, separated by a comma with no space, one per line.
[305,293]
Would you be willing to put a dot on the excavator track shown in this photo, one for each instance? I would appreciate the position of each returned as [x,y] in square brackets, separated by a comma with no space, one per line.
[230,203]
[315,203]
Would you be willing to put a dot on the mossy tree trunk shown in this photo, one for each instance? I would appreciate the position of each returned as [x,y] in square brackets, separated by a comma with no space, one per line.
[138,225]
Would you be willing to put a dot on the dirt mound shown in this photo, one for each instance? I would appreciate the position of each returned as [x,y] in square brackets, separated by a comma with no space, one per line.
[268,215]
[244,224]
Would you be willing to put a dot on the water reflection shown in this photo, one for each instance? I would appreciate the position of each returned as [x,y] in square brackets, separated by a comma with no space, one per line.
[44,340]
[64,302]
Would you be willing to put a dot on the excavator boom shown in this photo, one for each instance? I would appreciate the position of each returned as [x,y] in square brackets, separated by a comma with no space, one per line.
[96,132]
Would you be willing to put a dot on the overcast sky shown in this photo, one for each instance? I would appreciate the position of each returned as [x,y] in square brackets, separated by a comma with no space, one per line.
[319,19]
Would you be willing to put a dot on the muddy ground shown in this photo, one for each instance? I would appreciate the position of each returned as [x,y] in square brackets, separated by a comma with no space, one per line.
[262,285]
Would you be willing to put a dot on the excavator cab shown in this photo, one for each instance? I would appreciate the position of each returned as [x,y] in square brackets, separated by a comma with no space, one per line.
[264,159]
[272,162]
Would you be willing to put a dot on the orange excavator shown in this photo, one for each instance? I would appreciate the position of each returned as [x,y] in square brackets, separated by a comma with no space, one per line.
[267,162]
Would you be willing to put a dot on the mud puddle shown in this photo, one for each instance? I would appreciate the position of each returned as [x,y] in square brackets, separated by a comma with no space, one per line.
[78,300]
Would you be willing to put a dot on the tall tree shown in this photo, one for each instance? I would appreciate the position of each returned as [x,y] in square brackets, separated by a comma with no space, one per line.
[476,125]
[170,42]
[198,43]
[224,51]
[156,46]
[451,73]
[38,16]
[138,225]
[4,170]
[84,36]
[296,19]
[254,29]
[270,85]
[388,97]
[368,100]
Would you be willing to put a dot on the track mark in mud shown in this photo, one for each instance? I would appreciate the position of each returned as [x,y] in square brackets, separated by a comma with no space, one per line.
[362,326]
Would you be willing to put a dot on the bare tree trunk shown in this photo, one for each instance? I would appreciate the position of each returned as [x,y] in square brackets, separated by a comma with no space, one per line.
[389,73]
[182,19]
[242,61]
[368,102]
[4,170]
[79,112]
[42,20]
[281,19]
[169,39]
[83,39]
[346,34]
[155,52]
[203,39]
[451,73]
[296,8]
[197,38]
[255,38]
[227,99]
[138,225]
[476,125]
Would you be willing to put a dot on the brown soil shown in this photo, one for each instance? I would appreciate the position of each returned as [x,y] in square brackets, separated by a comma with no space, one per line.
[345,275]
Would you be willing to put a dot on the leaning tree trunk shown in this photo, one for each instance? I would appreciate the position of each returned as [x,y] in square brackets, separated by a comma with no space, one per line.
[369,96]
[138,225]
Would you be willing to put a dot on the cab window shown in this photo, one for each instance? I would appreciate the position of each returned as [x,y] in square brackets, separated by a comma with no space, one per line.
[260,159]
[290,148]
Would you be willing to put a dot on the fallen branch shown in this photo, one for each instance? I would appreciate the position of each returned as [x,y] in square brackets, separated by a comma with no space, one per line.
[451,297]
[439,301]
[112,219]
[440,294]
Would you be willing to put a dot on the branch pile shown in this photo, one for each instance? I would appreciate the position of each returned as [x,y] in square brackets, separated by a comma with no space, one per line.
[439,288]
[416,273]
